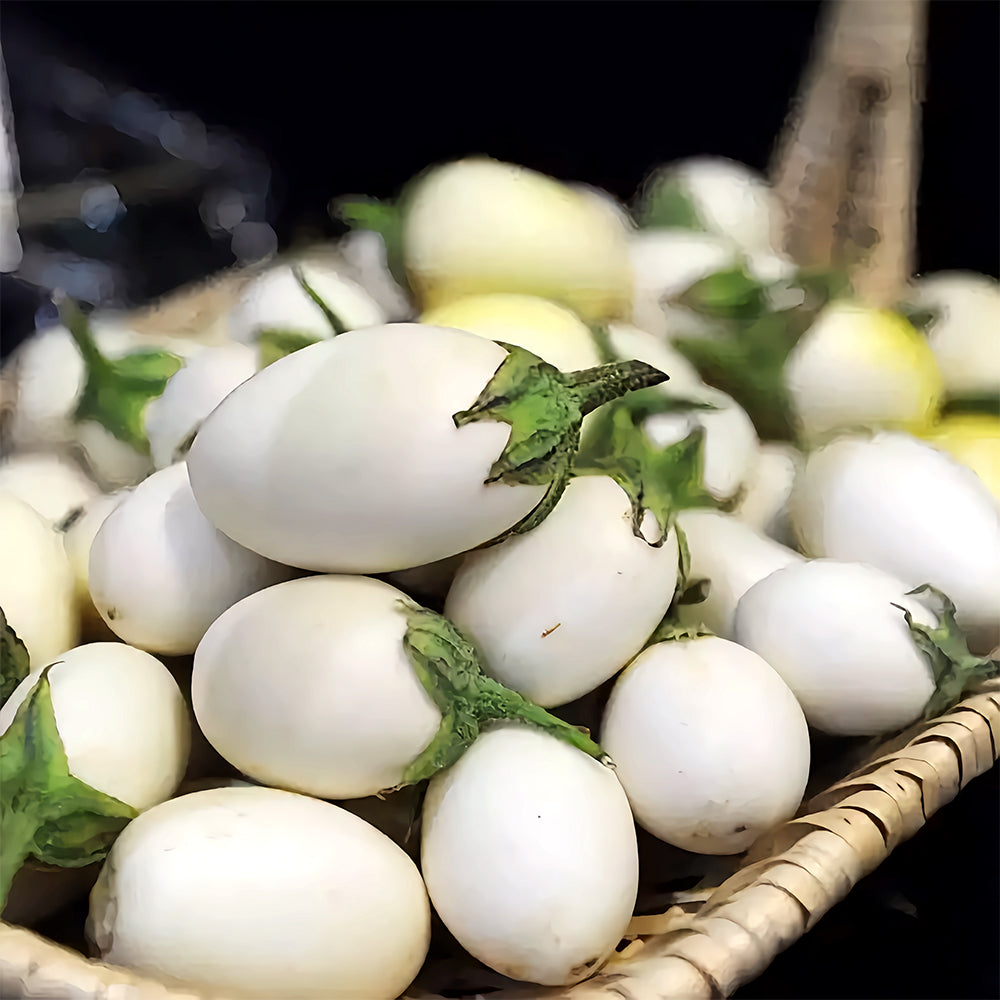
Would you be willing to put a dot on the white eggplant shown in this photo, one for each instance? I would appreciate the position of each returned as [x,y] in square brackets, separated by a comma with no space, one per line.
[908,509]
[254,892]
[477,225]
[376,451]
[317,685]
[122,720]
[964,328]
[861,367]
[51,483]
[764,504]
[836,634]
[191,394]
[277,301]
[160,573]
[366,262]
[709,743]
[559,610]
[529,855]
[732,557]
[36,585]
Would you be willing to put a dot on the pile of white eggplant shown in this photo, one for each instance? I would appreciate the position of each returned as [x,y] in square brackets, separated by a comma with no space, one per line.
[522,448]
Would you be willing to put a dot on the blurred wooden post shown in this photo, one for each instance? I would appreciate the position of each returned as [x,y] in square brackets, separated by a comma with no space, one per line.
[846,167]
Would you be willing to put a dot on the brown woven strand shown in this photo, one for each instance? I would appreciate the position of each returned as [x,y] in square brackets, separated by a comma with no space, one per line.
[792,877]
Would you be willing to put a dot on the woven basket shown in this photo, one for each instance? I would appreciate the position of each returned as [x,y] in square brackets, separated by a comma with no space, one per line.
[845,169]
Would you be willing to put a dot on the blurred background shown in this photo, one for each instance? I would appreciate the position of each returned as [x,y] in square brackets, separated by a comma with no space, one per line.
[153,144]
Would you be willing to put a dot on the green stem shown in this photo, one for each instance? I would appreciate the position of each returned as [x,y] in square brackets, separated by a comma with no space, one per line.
[612,380]
[448,667]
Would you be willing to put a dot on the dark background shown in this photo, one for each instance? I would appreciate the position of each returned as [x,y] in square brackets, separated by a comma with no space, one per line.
[357,97]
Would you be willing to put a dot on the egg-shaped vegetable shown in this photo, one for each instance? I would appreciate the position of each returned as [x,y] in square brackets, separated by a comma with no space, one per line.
[376,451]
[477,225]
[307,686]
[529,854]
[160,573]
[910,510]
[122,719]
[557,611]
[709,743]
[255,892]
[51,483]
[36,585]
[836,634]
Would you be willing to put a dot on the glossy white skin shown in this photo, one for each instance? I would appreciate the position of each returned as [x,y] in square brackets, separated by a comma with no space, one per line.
[50,376]
[191,395]
[908,509]
[709,743]
[666,262]
[733,557]
[830,629]
[307,686]
[77,540]
[122,720]
[855,368]
[764,505]
[557,611]
[965,338]
[730,444]
[478,225]
[529,855]
[255,892]
[276,301]
[730,199]
[36,584]
[344,457]
[52,484]
[160,573]
[366,260]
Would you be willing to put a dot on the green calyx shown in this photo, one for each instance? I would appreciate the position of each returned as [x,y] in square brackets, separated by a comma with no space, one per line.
[955,668]
[663,480]
[448,667]
[274,345]
[544,408]
[745,352]
[116,392]
[664,203]
[14,660]
[45,812]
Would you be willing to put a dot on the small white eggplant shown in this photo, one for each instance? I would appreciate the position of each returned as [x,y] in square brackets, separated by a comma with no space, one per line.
[87,743]
[910,510]
[160,573]
[732,557]
[709,743]
[366,262]
[665,263]
[559,610]
[964,328]
[191,394]
[529,855]
[764,504]
[339,687]
[255,892]
[477,225]
[79,530]
[51,483]
[835,632]
[545,328]
[861,367]
[393,447]
[730,439]
[277,301]
[36,585]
